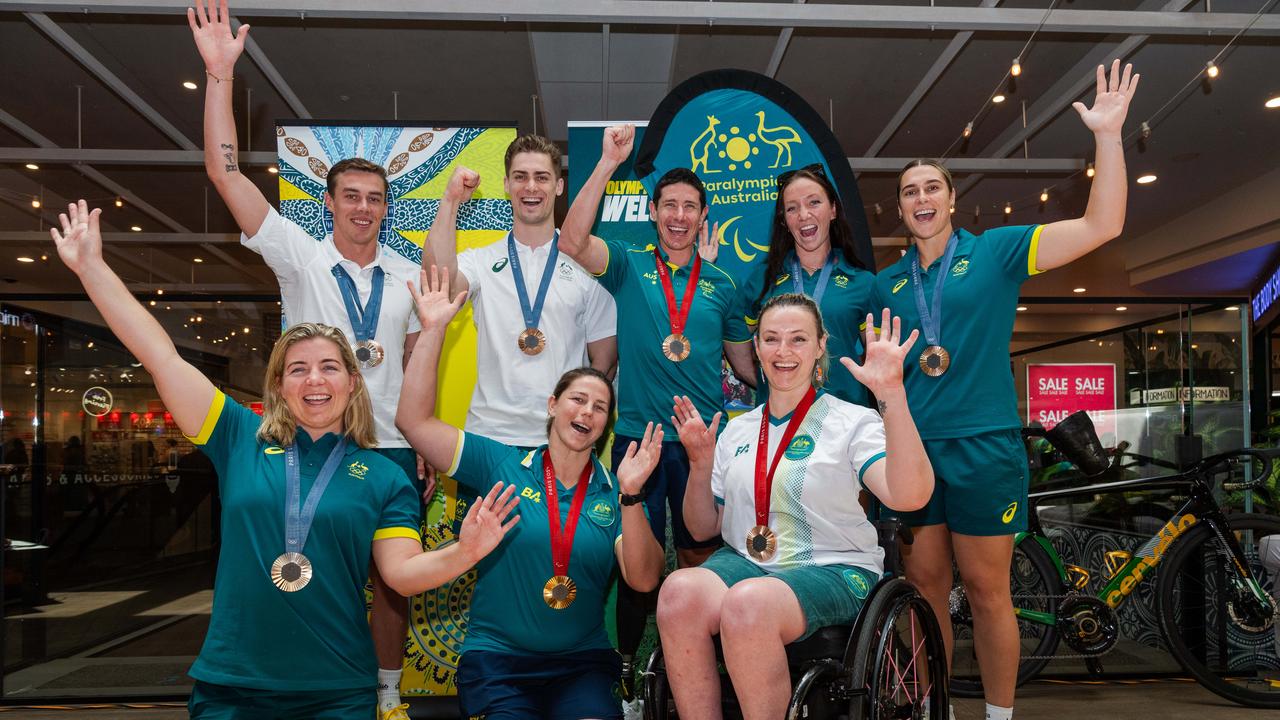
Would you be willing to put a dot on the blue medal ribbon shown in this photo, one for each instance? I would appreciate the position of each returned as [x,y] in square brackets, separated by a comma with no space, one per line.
[364,320]
[824,276]
[297,514]
[931,322]
[534,313]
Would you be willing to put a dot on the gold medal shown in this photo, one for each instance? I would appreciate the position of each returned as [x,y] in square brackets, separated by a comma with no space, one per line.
[291,571]
[531,341]
[762,543]
[676,347]
[369,353]
[559,592]
[935,360]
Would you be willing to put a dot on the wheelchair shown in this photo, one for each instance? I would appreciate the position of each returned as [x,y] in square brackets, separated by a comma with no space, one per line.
[890,663]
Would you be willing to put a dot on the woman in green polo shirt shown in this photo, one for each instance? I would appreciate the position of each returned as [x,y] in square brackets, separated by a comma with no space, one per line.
[305,502]
[536,644]
[811,252]
[959,384]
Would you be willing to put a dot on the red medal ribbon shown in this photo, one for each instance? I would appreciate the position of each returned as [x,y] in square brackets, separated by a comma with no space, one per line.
[562,540]
[764,480]
[678,315]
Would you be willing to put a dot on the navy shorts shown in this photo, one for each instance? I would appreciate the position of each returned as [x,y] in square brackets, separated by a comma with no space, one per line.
[665,487]
[508,686]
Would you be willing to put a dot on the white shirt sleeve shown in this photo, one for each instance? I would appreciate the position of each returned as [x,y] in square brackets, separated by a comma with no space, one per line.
[285,246]
[602,312]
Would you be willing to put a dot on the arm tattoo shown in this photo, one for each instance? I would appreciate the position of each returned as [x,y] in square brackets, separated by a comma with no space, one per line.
[231,162]
[881,406]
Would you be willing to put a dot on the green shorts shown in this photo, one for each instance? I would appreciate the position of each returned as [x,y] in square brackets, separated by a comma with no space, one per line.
[980,485]
[828,594]
[222,702]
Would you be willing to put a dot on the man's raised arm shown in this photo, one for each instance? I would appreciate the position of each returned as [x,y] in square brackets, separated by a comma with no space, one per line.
[576,239]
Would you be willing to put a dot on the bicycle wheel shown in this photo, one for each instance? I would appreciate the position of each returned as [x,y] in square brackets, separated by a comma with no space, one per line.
[1208,618]
[899,663]
[1036,586]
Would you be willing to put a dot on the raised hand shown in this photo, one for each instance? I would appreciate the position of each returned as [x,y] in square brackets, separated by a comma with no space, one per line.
[640,460]
[80,240]
[218,46]
[709,241]
[617,143]
[462,183]
[483,527]
[881,371]
[1111,104]
[699,440]
[435,309]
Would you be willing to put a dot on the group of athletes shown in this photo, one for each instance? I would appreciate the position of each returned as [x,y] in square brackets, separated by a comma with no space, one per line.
[770,532]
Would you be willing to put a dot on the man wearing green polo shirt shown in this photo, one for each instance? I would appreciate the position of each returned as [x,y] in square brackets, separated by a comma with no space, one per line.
[680,315]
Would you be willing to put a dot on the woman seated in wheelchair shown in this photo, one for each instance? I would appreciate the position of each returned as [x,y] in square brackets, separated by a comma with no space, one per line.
[781,488]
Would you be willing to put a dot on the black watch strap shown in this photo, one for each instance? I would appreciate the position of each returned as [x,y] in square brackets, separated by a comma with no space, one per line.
[627,500]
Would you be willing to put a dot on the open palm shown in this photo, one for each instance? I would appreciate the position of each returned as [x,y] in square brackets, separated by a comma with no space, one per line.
[881,370]
[1111,104]
[80,239]
[218,46]
[639,460]
[484,527]
[434,306]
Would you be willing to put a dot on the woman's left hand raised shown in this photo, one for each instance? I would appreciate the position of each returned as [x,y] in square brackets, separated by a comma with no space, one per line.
[80,241]
[633,471]
[435,309]
[881,370]
[483,527]
[1111,104]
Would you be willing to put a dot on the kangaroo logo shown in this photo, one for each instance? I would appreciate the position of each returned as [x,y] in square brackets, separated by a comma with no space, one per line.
[700,149]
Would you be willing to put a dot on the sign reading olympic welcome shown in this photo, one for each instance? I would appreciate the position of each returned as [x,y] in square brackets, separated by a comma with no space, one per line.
[419,161]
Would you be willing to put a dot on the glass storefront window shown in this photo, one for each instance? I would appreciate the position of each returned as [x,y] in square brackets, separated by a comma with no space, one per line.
[111,513]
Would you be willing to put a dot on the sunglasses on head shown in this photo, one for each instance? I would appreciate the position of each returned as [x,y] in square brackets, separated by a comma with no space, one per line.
[815,168]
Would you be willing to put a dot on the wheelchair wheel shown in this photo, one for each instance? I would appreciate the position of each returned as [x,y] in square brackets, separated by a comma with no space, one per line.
[1035,585]
[657,703]
[899,665]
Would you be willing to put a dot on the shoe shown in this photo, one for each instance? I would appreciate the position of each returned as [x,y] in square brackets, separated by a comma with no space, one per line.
[399,712]
[627,684]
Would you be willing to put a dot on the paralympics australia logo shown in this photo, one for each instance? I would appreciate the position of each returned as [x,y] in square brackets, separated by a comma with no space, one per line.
[358,470]
[800,448]
[857,583]
[601,513]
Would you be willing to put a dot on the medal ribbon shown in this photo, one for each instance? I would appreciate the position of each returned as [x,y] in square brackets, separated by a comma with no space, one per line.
[764,480]
[797,278]
[931,322]
[364,320]
[532,314]
[562,540]
[298,515]
[678,315]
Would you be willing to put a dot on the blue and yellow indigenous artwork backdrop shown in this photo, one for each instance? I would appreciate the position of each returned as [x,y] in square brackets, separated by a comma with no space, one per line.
[419,161]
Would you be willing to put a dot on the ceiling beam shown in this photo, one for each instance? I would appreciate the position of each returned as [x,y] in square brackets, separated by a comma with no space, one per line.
[780,49]
[108,78]
[120,156]
[273,76]
[930,77]
[747,14]
[14,237]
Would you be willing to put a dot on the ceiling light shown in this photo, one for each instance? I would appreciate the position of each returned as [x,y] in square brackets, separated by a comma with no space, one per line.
[1273,103]
[24,258]
[997,99]
[32,166]
[197,260]
[1160,332]
[160,291]
[35,202]
[1022,308]
[1121,308]
[1232,308]
[44,256]
[977,212]
[1044,195]
[190,85]
[1088,170]
[273,169]
[1016,69]
[152,303]
[1078,290]
[1146,179]
[119,202]
[246,331]
[968,129]
[1008,209]
[1210,69]
[135,228]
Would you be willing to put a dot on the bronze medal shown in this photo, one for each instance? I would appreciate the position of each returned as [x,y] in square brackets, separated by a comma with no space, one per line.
[531,341]
[935,360]
[559,592]
[762,543]
[291,571]
[676,347]
[369,353]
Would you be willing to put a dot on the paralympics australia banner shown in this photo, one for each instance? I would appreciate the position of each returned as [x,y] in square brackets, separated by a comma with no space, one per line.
[738,130]
[419,161]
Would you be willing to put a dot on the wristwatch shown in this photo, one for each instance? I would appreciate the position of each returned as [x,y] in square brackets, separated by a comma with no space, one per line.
[626,500]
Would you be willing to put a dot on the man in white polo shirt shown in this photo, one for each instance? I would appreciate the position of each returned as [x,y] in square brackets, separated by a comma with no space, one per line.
[537,313]
[346,281]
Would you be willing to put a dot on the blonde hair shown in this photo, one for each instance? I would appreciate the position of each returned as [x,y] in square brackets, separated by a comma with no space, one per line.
[278,424]
[822,364]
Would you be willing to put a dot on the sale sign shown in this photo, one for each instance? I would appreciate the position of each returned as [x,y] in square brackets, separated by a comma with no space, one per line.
[1055,390]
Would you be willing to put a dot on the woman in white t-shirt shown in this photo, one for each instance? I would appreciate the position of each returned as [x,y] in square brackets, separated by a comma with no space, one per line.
[799,552]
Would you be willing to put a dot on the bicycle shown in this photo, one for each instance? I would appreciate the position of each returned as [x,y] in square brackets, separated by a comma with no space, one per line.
[1216,589]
